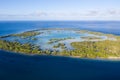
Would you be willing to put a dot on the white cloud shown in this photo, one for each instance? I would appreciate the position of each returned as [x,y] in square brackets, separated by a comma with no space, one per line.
[83,15]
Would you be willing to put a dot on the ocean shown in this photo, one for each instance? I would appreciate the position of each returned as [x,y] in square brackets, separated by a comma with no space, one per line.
[15,66]
[9,27]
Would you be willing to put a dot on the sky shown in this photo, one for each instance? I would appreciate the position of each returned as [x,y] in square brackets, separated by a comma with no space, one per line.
[59,9]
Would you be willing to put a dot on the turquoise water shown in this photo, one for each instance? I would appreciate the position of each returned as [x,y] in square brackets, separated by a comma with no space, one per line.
[14,66]
[67,35]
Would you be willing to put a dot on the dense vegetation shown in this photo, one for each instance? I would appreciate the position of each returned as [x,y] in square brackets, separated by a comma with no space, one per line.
[26,48]
[24,34]
[98,49]
[18,47]
[27,34]
[90,38]
[85,49]
[54,40]
[60,45]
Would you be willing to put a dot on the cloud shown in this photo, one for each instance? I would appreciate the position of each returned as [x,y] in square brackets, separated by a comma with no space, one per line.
[38,14]
[90,14]
[114,12]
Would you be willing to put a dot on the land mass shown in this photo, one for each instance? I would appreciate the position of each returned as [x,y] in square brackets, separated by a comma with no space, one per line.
[94,46]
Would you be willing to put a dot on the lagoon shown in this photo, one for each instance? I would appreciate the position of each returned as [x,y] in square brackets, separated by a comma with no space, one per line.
[48,38]
[14,66]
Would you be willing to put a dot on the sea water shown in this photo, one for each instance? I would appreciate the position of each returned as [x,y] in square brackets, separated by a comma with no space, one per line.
[15,66]
[9,27]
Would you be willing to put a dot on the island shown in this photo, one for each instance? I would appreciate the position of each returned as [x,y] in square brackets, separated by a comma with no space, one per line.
[63,42]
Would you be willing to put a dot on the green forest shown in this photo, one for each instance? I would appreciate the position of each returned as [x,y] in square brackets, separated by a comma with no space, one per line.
[84,49]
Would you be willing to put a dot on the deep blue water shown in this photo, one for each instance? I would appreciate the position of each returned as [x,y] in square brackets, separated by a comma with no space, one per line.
[8,27]
[14,66]
[21,67]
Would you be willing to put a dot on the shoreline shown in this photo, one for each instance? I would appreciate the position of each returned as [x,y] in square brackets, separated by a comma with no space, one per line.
[67,53]
[76,57]
[108,58]
[114,58]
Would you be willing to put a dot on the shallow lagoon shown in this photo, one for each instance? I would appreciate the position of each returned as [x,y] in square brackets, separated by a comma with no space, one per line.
[51,37]
[21,67]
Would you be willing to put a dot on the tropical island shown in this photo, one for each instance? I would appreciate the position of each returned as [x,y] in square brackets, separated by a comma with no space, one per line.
[63,42]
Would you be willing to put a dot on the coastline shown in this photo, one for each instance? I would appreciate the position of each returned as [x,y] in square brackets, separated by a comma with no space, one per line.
[63,53]
[114,58]
[75,57]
